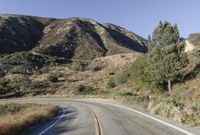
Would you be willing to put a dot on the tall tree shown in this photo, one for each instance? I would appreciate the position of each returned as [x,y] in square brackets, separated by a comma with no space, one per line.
[166,65]
[165,34]
[163,65]
[166,58]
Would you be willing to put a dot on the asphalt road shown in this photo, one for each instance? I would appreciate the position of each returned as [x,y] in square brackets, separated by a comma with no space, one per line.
[99,117]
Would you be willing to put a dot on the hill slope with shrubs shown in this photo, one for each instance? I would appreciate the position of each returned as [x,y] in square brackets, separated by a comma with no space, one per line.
[81,57]
[29,43]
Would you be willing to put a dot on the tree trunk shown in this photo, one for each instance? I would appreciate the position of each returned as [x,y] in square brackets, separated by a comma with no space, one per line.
[169,86]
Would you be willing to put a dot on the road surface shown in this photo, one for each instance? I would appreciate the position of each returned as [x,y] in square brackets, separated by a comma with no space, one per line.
[102,117]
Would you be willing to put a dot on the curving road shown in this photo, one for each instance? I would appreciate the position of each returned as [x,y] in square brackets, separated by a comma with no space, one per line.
[103,117]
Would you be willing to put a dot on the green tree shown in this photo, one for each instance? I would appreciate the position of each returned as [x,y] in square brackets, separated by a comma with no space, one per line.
[150,43]
[166,59]
[165,34]
[166,65]
[140,72]
[163,64]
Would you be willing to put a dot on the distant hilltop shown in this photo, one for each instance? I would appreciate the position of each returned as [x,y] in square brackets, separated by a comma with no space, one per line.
[78,38]
[28,43]
[192,42]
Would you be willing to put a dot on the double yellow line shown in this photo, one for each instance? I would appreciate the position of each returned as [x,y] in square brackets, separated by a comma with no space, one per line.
[98,124]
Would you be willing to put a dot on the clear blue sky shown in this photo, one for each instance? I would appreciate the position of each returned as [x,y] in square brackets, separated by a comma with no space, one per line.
[139,16]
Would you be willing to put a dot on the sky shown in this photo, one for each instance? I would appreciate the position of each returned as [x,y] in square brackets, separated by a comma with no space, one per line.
[138,16]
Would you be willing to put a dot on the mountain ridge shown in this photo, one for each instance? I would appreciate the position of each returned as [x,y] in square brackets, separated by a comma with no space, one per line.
[59,29]
[39,41]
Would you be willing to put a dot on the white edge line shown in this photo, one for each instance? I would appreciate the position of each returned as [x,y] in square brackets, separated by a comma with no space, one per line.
[127,108]
[53,124]
[153,118]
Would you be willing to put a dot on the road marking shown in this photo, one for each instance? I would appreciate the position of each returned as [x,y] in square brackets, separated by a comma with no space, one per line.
[153,118]
[53,124]
[120,106]
[98,125]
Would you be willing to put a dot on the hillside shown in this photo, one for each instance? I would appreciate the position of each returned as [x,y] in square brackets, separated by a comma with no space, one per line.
[194,39]
[28,43]
[68,38]
[81,57]
[190,88]
[33,50]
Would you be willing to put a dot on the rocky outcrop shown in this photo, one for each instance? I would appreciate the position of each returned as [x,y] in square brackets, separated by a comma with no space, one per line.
[192,42]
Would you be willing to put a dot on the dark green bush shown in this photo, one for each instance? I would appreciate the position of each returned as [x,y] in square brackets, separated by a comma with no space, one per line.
[96,68]
[52,78]
[118,79]
[121,78]
[4,86]
[126,94]
[111,83]
[19,69]
[111,73]
[140,74]
[3,82]
[83,89]
[38,84]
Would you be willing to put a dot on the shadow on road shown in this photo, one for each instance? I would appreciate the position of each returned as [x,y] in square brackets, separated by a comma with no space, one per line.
[60,127]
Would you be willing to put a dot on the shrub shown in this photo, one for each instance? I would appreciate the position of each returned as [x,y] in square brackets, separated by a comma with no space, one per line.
[111,83]
[18,78]
[3,90]
[18,82]
[96,68]
[140,74]
[38,84]
[122,56]
[78,66]
[3,82]
[52,78]
[83,89]
[4,87]
[111,73]
[11,108]
[15,118]
[121,78]
[43,70]
[118,79]
[19,69]
[126,94]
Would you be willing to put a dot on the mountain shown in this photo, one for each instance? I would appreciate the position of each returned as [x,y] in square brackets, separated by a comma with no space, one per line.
[46,40]
[60,37]
[192,42]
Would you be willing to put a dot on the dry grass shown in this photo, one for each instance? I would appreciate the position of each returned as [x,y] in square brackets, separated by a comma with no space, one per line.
[111,66]
[194,39]
[14,123]
[189,90]
[180,111]
[69,78]
[160,104]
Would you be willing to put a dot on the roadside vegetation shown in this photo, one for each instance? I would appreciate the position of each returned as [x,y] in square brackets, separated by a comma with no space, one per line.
[164,63]
[15,118]
[165,80]
[82,89]
[52,78]
[175,108]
